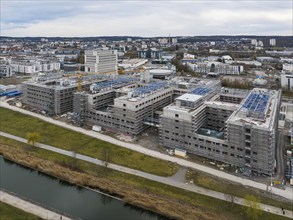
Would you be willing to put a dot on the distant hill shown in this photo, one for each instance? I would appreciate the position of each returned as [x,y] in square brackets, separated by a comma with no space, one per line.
[282,41]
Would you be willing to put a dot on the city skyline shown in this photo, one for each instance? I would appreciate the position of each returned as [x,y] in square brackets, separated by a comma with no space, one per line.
[145,18]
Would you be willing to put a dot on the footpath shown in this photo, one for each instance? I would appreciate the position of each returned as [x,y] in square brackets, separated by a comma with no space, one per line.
[165,180]
[286,193]
[30,207]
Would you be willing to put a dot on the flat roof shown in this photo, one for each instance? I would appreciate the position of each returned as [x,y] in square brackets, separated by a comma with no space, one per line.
[257,109]
[189,97]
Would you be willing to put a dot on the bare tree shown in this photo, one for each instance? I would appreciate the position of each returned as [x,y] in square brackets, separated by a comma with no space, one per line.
[106,157]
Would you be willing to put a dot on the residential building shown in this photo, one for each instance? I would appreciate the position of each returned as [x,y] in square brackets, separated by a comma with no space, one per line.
[216,67]
[273,42]
[151,53]
[287,81]
[31,66]
[5,69]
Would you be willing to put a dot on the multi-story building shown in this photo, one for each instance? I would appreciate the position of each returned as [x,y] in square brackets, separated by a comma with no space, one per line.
[129,110]
[151,53]
[54,94]
[287,81]
[233,128]
[273,42]
[26,66]
[5,70]
[216,67]
[237,127]
[101,61]
[288,67]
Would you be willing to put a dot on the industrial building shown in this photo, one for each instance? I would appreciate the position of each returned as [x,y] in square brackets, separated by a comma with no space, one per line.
[101,61]
[225,125]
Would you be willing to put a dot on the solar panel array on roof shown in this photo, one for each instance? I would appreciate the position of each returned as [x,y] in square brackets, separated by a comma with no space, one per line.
[111,83]
[256,102]
[148,88]
[200,91]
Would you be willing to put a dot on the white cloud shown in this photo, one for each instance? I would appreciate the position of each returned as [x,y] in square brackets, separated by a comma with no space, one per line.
[142,18]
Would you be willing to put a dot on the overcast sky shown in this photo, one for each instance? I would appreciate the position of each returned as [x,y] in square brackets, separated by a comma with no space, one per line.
[80,18]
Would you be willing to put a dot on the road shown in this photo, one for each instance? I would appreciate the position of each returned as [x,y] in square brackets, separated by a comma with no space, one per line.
[172,181]
[287,193]
[30,207]
[280,157]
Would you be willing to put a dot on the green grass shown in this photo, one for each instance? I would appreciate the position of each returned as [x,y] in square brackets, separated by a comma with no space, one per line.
[19,124]
[8,212]
[221,185]
[208,204]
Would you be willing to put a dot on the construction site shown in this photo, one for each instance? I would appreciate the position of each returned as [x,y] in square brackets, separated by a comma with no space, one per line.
[192,115]
[234,127]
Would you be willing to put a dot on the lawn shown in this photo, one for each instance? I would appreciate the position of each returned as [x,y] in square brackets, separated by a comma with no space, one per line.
[19,124]
[203,205]
[221,185]
[8,212]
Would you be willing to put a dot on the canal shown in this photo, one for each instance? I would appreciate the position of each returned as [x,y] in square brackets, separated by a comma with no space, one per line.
[78,202]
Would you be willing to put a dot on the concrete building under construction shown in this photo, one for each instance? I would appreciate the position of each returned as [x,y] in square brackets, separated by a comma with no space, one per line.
[54,93]
[231,127]
[130,109]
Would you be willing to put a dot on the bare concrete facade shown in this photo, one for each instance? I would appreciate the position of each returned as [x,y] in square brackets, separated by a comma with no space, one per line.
[124,113]
[225,131]
[53,97]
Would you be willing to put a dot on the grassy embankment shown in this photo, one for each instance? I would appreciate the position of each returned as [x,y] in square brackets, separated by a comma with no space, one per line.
[221,185]
[8,212]
[19,124]
[170,201]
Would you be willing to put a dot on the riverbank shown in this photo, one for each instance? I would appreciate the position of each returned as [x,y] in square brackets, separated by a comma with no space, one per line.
[150,195]
[28,207]
[128,194]
[9,212]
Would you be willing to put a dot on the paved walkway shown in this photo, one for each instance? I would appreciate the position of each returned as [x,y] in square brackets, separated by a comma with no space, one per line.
[172,181]
[29,207]
[287,193]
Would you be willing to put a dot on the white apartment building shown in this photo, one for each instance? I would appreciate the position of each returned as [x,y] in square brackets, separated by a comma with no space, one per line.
[273,42]
[5,70]
[34,66]
[101,61]
[288,67]
[216,67]
[287,81]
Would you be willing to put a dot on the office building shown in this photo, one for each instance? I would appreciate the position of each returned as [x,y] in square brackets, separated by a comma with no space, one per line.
[101,61]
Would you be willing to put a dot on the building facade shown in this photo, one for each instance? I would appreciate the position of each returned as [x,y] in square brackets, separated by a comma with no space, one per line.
[216,67]
[287,81]
[101,61]
[34,66]
[233,128]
